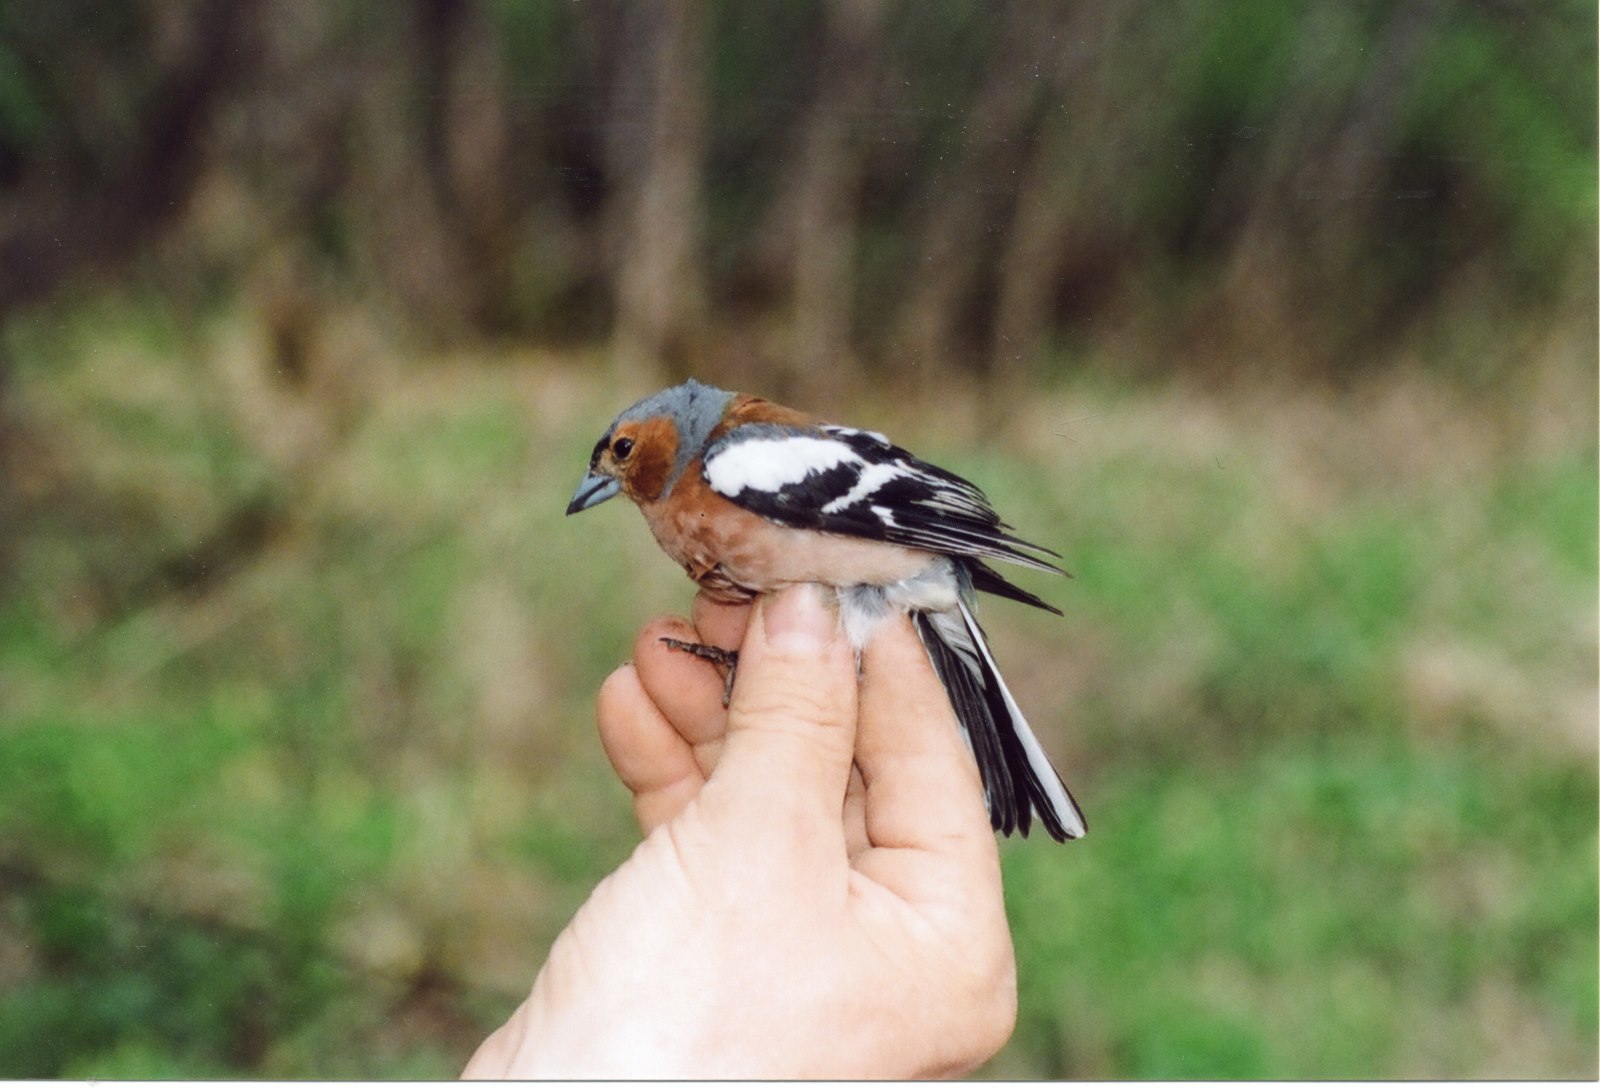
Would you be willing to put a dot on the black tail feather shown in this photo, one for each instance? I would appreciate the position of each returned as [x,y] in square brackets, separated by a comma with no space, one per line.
[1011,777]
[973,713]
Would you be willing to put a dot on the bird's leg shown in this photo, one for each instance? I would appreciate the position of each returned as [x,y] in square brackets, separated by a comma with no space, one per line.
[723,659]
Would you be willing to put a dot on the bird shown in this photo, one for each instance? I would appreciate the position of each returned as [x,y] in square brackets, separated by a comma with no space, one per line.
[749,496]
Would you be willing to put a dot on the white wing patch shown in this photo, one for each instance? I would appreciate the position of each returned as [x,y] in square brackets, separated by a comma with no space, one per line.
[770,464]
[849,482]
[872,477]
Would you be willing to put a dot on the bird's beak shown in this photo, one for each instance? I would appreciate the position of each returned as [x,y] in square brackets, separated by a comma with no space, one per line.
[594,490]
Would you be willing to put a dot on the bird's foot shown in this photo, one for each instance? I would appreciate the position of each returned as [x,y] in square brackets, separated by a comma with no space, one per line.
[723,659]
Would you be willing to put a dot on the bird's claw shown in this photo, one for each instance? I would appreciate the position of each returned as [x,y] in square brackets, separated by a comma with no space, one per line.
[723,659]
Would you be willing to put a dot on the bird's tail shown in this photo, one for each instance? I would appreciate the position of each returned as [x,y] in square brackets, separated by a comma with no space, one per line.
[1018,778]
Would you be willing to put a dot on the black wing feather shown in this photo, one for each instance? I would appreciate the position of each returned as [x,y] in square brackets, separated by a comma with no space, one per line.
[989,580]
[918,505]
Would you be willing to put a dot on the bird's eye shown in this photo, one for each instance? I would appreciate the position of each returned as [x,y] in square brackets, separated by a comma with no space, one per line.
[621,448]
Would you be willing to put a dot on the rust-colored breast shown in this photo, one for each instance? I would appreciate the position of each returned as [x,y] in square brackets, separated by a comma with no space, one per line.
[733,553]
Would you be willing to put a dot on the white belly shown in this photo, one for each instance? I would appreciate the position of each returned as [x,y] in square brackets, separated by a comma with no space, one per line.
[861,608]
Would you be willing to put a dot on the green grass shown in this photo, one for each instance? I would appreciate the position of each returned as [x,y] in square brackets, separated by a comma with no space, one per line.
[1331,912]
[1326,686]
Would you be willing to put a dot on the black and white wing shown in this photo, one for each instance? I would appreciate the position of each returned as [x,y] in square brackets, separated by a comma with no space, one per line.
[858,483]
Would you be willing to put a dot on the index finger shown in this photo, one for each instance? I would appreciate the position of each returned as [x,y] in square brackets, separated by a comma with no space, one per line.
[720,624]
[923,789]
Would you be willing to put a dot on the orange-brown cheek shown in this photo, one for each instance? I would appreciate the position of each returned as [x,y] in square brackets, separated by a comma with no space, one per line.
[655,449]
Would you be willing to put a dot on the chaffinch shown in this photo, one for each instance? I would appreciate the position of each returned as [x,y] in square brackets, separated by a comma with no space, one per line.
[749,496]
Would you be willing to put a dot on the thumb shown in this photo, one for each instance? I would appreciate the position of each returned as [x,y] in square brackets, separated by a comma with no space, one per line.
[792,720]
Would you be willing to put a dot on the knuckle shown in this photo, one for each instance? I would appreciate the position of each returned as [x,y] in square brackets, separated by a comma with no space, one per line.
[992,1001]
[999,1018]
[982,1013]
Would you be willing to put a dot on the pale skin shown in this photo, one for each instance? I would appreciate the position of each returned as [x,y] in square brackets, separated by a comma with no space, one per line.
[818,890]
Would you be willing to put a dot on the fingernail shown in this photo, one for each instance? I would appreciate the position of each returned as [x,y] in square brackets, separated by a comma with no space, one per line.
[795,621]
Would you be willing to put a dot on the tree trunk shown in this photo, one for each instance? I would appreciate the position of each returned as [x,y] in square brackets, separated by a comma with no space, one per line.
[659,281]
[953,235]
[1316,177]
[1072,165]
[825,191]
[56,224]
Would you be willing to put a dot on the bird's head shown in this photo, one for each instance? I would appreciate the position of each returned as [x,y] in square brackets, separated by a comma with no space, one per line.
[648,446]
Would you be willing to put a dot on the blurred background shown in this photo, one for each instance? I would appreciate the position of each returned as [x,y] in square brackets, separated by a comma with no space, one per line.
[1277,320]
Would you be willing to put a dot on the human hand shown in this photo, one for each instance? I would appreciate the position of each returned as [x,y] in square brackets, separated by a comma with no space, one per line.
[818,891]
